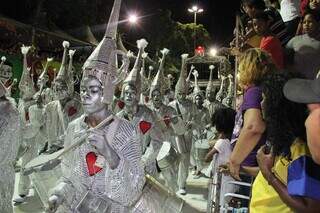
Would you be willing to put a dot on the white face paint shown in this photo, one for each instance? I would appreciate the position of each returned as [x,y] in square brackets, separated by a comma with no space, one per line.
[91,93]
[5,73]
[129,95]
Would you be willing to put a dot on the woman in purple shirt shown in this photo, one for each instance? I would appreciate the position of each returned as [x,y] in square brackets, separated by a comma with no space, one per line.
[248,134]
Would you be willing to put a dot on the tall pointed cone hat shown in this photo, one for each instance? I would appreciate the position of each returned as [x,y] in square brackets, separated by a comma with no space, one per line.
[63,71]
[3,90]
[102,61]
[159,80]
[9,88]
[220,94]
[134,77]
[26,82]
[145,80]
[150,68]
[231,86]
[71,72]
[143,67]
[44,73]
[196,89]
[210,86]
[3,59]
[182,83]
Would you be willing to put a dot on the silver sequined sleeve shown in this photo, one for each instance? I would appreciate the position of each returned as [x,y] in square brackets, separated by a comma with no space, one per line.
[124,184]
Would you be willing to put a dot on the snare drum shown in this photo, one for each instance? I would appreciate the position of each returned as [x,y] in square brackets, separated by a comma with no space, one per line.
[167,156]
[156,198]
[43,181]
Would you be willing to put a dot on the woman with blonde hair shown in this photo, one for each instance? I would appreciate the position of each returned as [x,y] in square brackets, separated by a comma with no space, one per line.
[248,133]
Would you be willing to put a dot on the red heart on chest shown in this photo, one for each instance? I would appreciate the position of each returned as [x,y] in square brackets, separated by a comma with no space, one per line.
[72,111]
[144,126]
[146,99]
[91,159]
[166,120]
[120,104]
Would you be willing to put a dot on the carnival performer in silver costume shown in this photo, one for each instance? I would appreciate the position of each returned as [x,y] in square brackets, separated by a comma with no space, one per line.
[228,101]
[221,94]
[27,133]
[105,173]
[201,128]
[169,93]
[45,92]
[169,125]
[65,108]
[140,116]
[5,77]
[186,110]
[211,102]
[9,131]
[145,80]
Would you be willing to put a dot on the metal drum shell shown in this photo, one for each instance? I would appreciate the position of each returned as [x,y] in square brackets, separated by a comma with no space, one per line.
[156,198]
[169,159]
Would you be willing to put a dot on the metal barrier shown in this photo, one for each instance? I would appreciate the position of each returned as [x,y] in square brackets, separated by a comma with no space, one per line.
[215,206]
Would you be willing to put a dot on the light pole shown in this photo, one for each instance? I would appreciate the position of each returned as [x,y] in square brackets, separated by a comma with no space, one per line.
[133,18]
[195,10]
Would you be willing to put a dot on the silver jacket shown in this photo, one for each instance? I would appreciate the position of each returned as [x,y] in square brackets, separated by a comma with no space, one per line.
[9,131]
[149,134]
[111,190]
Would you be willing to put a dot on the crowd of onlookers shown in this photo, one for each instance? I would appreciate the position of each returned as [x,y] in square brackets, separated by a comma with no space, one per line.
[275,136]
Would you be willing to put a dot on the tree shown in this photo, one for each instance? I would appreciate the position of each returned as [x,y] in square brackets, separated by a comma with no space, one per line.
[175,36]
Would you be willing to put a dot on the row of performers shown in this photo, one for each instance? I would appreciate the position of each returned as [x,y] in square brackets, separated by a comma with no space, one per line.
[99,149]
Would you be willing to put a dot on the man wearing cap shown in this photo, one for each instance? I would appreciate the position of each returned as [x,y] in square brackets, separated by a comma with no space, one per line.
[308,92]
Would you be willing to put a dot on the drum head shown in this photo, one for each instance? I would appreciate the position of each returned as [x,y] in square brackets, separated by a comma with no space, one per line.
[164,151]
[43,158]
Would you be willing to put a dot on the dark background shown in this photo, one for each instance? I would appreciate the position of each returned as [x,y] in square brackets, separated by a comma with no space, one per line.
[69,15]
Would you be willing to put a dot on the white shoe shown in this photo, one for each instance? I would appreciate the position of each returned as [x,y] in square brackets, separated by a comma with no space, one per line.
[19,199]
[182,192]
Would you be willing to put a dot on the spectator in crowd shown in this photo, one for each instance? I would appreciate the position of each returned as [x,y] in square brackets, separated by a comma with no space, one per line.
[314,5]
[308,92]
[248,133]
[288,180]
[269,43]
[303,51]
[290,13]
[307,6]
[223,121]
[277,26]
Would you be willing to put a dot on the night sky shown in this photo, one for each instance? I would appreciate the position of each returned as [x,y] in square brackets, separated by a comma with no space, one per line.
[218,16]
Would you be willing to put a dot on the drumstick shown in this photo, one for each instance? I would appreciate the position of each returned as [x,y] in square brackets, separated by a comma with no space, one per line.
[56,161]
[80,141]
